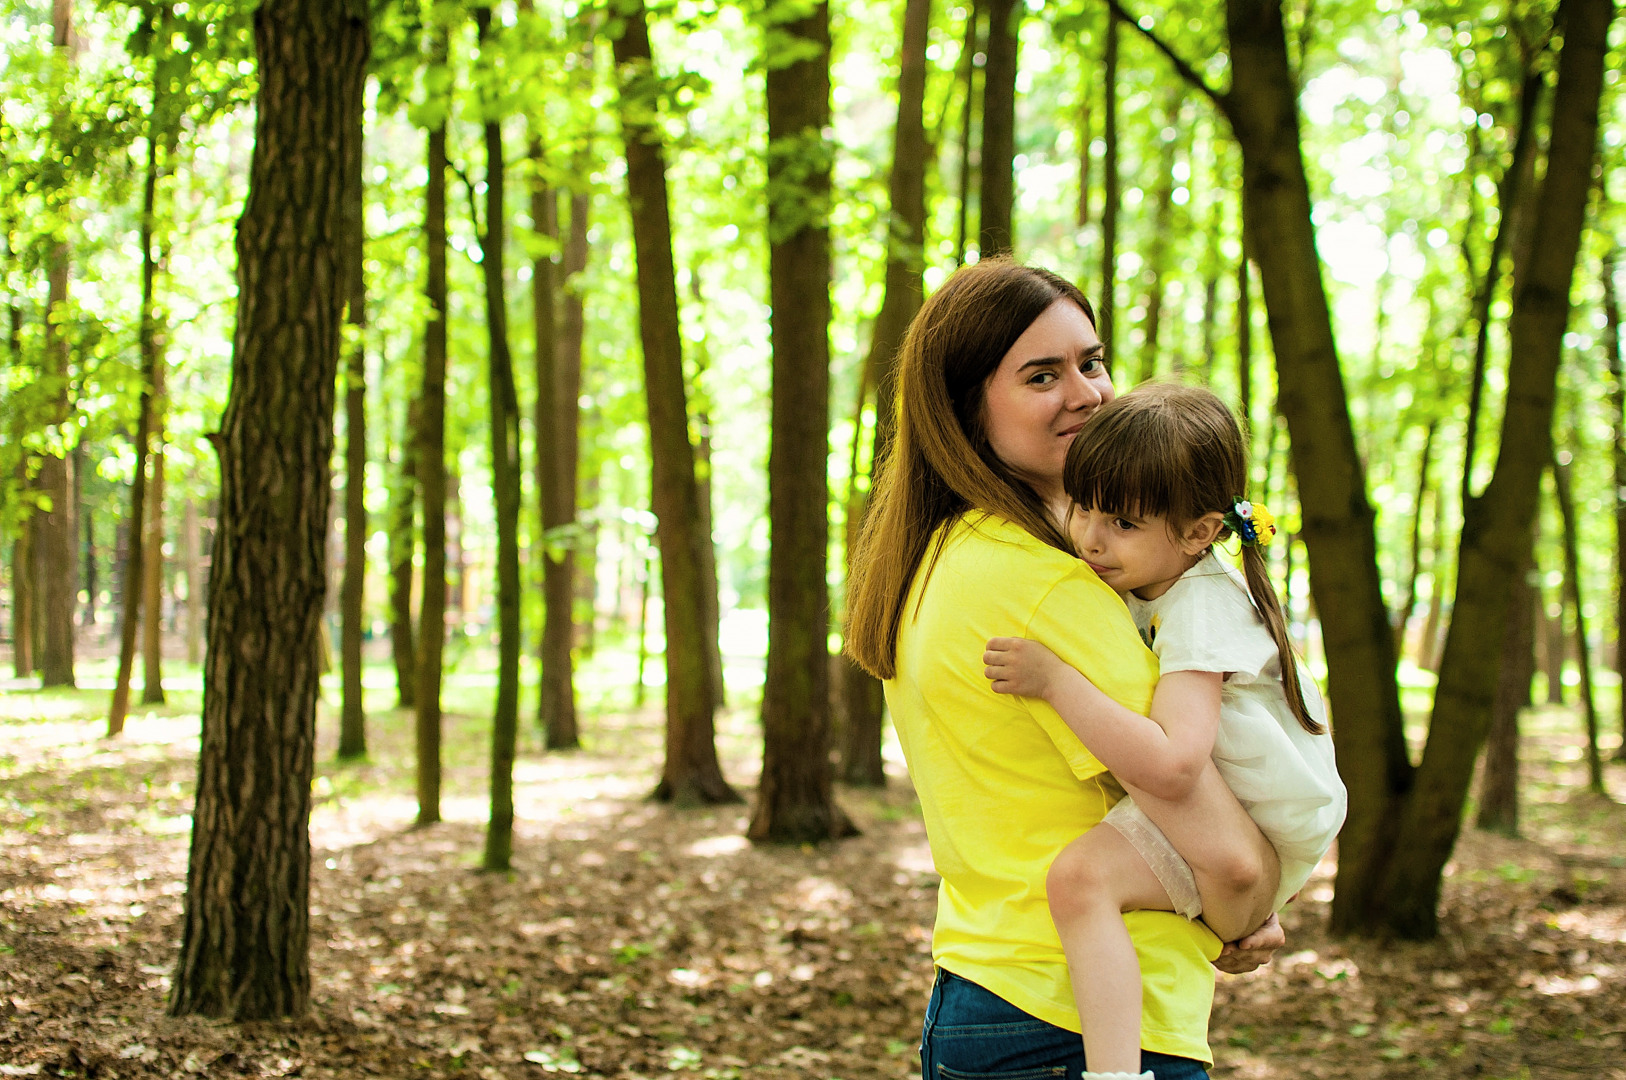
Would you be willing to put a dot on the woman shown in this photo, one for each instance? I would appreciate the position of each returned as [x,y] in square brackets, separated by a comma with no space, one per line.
[964,542]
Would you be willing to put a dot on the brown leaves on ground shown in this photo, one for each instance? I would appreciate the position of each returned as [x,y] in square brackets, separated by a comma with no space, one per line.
[632,940]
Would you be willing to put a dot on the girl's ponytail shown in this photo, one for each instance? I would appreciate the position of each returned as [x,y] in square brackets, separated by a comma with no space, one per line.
[1264,598]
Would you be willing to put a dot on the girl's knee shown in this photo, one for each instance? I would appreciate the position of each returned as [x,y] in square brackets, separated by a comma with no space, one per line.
[1076,881]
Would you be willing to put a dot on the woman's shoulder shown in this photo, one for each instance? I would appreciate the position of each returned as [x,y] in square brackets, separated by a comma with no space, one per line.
[991,544]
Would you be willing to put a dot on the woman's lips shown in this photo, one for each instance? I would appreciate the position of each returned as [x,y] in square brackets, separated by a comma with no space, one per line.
[1067,433]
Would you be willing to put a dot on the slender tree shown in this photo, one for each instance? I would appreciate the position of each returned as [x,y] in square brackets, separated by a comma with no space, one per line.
[402,535]
[1572,596]
[691,773]
[863,703]
[432,478]
[152,563]
[1617,422]
[1106,306]
[996,202]
[245,930]
[795,801]
[972,59]
[352,715]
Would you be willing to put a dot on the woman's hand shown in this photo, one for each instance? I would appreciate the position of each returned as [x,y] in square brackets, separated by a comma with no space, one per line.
[1253,951]
[1022,667]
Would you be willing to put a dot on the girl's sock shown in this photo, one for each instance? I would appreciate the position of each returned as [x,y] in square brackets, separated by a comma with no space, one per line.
[1116,1076]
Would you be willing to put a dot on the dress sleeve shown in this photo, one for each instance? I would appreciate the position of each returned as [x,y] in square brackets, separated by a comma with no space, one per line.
[1208,623]
[1086,624]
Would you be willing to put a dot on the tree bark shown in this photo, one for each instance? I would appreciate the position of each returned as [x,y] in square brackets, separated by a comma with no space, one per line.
[1496,524]
[152,563]
[1617,411]
[192,539]
[1572,594]
[581,560]
[996,233]
[795,799]
[967,75]
[1499,779]
[245,931]
[352,710]
[432,479]
[402,534]
[863,707]
[691,773]
[1106,306]
[503,400]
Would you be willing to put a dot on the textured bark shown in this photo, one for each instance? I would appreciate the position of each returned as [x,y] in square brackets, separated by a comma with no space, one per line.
[432,476]
[795,801]
[863,703]
[691,773]
[503,401]
[996,202]
[352,714]
[245,931]
[1499,779]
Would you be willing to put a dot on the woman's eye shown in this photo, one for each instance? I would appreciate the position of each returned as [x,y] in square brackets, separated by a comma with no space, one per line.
[1043,378]
[1095,365]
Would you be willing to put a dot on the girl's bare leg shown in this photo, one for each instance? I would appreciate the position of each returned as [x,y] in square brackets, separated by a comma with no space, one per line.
[1236,868]
[1091,884]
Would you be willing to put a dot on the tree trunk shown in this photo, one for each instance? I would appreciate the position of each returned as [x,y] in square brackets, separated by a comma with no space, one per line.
[194,582]
[967,75]
[1106,306]
[432,473]
[245,931]
[1617,410]
[402,535]
[1408,597]
[57,537]
[503,400]
[22,602]
[580,566]
[1499,780]
[711,615]
[352,710]
[863,703]
[1572,590]
[1086,136]
[996,234]
[1554,648]
[795,801]
[152,562]
[691,773]
[147,344]
[1157,255]
[87,617]
[1405,897]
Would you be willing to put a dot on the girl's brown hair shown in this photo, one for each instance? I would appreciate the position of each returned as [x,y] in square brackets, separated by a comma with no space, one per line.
[1176,452]
[940,463]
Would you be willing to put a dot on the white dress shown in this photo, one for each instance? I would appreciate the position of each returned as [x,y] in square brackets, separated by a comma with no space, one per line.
[1285,777]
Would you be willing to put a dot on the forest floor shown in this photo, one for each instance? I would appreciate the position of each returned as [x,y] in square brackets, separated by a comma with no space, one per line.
[634,941]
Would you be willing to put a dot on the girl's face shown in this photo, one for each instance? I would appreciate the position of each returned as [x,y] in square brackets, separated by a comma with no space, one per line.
[1050,382]
[1140,555]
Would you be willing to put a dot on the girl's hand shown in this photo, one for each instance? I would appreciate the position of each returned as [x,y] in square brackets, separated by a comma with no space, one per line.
[1021,667]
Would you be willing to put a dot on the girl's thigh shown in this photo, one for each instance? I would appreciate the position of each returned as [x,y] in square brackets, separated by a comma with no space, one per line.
[973,1034]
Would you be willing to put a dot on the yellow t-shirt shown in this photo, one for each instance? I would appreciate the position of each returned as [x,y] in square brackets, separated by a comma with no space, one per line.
[1005,785]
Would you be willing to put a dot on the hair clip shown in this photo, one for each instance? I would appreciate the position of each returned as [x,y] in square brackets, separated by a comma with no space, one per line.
[1251,522]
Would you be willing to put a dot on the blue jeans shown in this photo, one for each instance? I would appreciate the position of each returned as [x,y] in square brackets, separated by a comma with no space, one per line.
[973,1034]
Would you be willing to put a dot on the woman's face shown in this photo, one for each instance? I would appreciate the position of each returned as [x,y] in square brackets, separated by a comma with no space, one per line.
[1050,382]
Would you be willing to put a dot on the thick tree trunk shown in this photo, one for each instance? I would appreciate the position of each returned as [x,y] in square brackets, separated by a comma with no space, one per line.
[863,707]
[503,399]
[402,535]
[1497,524]
[1499,779]
[432,475]
[691,773]
[244,935]
[996,233]
[147,346]
[795,801]
[352,711]
[152,563]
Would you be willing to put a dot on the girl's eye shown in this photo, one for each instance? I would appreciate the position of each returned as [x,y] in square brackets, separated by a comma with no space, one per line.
[1123,524]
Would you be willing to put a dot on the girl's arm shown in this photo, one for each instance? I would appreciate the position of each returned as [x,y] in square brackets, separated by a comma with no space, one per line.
[1162,754]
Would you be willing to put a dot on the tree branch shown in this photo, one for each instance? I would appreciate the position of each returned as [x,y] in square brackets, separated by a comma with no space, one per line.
[1187,72]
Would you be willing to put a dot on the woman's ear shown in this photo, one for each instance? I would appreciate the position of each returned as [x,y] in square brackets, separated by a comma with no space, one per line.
[1202,532]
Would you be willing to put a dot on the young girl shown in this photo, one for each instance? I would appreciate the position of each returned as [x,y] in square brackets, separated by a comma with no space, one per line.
[1158,477]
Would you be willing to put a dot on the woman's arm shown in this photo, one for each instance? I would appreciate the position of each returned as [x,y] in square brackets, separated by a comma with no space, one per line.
[1162,754]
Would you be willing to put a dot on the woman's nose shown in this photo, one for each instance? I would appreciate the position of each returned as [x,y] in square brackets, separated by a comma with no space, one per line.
[1082,393]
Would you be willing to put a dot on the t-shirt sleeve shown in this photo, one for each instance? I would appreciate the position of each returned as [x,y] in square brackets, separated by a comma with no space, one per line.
[1086,624]
[1208,623]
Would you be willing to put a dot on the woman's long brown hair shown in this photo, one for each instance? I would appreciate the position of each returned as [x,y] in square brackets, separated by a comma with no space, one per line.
[941,464]
[1176,452]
